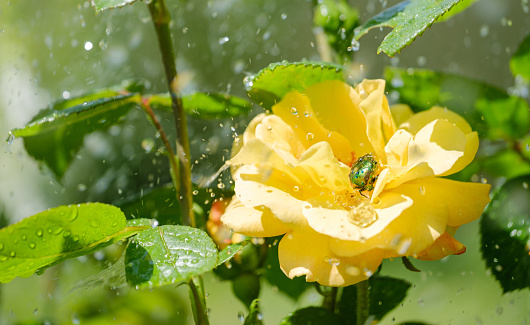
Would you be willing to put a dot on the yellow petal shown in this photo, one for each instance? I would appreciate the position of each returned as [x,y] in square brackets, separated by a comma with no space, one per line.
[401,113]
[412,231]
[465,201]
[444,246]
[253,222]
[297,111]
[308,254]
[419,120]
[323,168]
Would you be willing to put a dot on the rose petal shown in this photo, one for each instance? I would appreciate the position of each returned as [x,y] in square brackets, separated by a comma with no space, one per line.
[308,254]
[296,110]
[401,113]
[419,120]
[444,246]
[253,222]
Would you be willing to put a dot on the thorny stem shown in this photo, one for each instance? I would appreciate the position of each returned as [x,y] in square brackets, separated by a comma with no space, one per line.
[172,160]
[161,19]
[363,302]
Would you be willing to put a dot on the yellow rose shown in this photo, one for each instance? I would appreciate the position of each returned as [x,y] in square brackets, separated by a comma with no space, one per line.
[291,172]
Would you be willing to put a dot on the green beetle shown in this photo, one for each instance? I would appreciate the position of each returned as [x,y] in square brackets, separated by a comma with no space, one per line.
[363,173]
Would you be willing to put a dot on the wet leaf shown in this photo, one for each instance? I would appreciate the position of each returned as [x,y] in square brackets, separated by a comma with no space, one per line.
[268,86]
[311,315]
[205,106]
[409,19]
[255,316]
[520,61]
[56,134]
[52,236]
[226,254]
[100,5]
[489,110]
[386,293]
[167,255]
[505,234]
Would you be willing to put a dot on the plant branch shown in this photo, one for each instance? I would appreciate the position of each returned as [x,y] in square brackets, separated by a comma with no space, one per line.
[330,299]
[172,160]
[199,312]
[161,19]
[363,302]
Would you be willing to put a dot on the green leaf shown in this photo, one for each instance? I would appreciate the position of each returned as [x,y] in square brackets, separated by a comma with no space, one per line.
[311,315]
[386,293]
[205,105]
[269,85]
[458,8]
[520,61]
[505,234]
[409,19]
[57,234]
[408,264]
[100,5]
[246,287]
[506,163]
[255,316]
[337,19]
[167,255]
[160,203]
[275,276]
[489,110]
[230,251]
[56,134]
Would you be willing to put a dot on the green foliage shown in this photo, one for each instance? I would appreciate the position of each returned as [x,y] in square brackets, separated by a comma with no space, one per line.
[489,110]
[205,105]
[409,19]
[269,85]
[167,255]
[386,293]
[100,5]
[246,287]
[505,234]
[338,21]
[520,62]
[255,316]
[230,251]
[311,315]
[57,234]
[56,134]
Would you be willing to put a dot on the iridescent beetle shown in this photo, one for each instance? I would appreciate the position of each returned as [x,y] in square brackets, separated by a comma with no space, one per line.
[363,173]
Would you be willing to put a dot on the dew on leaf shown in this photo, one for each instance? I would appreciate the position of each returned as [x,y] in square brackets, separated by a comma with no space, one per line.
[223,40]
[39,232]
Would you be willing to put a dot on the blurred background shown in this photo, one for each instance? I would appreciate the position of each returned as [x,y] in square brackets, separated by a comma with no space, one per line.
[54,50]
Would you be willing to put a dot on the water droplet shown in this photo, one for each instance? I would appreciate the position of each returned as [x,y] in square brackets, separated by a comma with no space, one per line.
[420,301]
[195,192]
[24,237]
[296,188]
[81,187]
[12,253]
[3,258]
[38,233]
[355,45]
[223,40]
[332,261]
[32,245]
[284,16]
[259,316]
[269,128]
[75,238]
[240,316]
[220,186]
[88,46]
[103,44]
[148,144]
[422,190]
[73,214]
[1,246]
[294,111]
[154,223]
[10,138]
[525,185]
[66,233]
[309,136]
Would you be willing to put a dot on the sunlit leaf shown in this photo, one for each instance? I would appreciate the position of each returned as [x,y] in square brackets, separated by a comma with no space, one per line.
[205,106]
[100,5]
[57,234]
[458,8]
[228,252]
[311,315]
[409,19]
[167,255]
[489,110]
[268,86]
[386,293]
[520,61]
[56,134]
[255,316]
[506,235]
[159,203]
